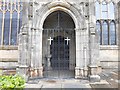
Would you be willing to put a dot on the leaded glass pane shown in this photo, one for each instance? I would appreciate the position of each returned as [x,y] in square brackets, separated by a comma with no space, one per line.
[6,28]
[104,10]
[105,33]
[98,25]
[111,11]
[14,28]
[112,33]
[97,10]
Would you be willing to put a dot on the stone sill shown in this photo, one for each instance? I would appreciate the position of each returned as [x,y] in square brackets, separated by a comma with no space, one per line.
[8,59]
[108,47]
[9,47]
[109,61]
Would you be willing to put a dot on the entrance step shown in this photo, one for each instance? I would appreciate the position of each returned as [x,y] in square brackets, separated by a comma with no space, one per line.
[59,74]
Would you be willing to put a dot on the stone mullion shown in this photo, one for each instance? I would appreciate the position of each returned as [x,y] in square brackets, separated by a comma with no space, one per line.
[23,49]
[10,27]
[18,19]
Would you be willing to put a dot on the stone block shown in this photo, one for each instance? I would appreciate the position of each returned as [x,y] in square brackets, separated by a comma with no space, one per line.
[94,78]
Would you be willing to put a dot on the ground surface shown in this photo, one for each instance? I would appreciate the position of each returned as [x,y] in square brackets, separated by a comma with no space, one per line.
[109,81]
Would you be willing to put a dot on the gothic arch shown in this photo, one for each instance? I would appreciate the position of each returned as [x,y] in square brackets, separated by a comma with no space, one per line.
[41,14]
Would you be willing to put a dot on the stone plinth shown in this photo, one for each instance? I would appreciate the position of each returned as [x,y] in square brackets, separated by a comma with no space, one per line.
[93,77]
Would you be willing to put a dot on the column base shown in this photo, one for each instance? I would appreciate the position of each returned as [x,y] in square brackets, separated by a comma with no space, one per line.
[94,78]
[93,75]
[36,73]
[85,72]
[23,70]
[40,72]
[78,72]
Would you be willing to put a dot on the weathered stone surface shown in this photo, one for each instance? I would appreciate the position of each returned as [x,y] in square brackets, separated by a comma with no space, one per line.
[94,78]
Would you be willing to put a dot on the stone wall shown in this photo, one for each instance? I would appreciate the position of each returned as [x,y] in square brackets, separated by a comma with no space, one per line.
[8,61]
[109,56]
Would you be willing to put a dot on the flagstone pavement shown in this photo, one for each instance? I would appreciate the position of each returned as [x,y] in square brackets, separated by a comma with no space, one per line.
[109,81]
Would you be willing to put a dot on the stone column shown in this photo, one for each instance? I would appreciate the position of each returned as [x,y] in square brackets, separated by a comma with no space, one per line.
[93,77]
[79,54]
[85,61]
[39,52]
[23,53]
[36,53]
[94,48]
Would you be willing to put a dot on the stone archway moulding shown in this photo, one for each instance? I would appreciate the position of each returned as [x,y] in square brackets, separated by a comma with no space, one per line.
[47,9]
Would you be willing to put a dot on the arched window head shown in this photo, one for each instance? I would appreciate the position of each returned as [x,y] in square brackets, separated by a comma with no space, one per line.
[98,30]
[104,10]
[112,33]
[111,10]
[105,32]
[97,10]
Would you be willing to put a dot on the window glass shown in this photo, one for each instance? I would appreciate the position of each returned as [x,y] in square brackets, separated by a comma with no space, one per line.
[6,28]
[99,31]
[111,10]
[97,10]
[112,33]
[105,33]
[104,10]
[14,28]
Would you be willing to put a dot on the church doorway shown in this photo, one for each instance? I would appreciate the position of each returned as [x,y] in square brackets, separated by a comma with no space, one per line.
[59,46]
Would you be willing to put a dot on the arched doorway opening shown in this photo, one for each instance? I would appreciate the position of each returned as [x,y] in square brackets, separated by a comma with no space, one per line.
[59,46]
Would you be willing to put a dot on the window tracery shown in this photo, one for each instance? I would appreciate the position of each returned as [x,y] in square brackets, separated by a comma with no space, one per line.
[105,13]
[10,21]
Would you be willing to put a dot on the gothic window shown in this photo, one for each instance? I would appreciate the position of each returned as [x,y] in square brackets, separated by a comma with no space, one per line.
[105,13]
[10,21]
[105,32]
[112,33]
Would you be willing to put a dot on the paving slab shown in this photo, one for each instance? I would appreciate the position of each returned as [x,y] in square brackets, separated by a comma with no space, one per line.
[47,85]
[75,85]
[33,86]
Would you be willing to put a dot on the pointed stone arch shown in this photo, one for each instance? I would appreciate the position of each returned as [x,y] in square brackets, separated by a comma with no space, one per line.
[42,13]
